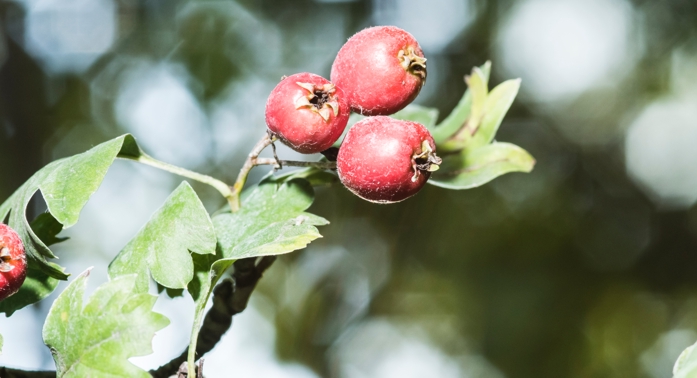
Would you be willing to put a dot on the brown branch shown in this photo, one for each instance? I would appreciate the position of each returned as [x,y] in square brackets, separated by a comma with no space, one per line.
[183,371]
[6,372]
[230,297]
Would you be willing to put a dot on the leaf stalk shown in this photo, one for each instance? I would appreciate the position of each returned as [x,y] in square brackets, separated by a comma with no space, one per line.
[224,189]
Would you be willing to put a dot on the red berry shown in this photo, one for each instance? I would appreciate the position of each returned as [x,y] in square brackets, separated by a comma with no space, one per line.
[13,262]
[386,160]
[381,69]
[307,112]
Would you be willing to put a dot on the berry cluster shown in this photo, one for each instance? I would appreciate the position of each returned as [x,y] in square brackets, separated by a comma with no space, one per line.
[378,72]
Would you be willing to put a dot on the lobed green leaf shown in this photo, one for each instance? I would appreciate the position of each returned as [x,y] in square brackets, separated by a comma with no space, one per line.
[473,168]
[66,185]
[279,237]
[271,202]
[162,246]
[271,221]
[97,340]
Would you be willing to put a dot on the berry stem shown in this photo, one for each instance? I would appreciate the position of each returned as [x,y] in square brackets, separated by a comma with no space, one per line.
[230,298]
[222,187]
[251,161]
[231,193]
[292,163]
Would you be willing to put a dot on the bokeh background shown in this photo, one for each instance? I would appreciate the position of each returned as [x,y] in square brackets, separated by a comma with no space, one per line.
[583,268]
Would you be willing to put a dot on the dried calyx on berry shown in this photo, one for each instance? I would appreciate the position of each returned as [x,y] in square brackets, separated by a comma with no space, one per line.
[319,99]
[412,62]
[5,259]
[426,160]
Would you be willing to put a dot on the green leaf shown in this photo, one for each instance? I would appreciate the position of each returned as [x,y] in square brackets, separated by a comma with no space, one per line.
[98,339]
[314,176]
[478,85]
[272,206]
[478,88]
[46,227]
[171,293]
[460,114]
[66,186]
[38,285]
[421,114]
[181,225]
[464,138]
[280,237]
[686,365]
[271,221]
[495,108]
[201,286]
[473,168]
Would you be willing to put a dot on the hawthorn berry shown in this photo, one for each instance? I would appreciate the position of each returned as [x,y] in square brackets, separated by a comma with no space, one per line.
[386,160]
[381,69]
[13,262]
[307,112]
